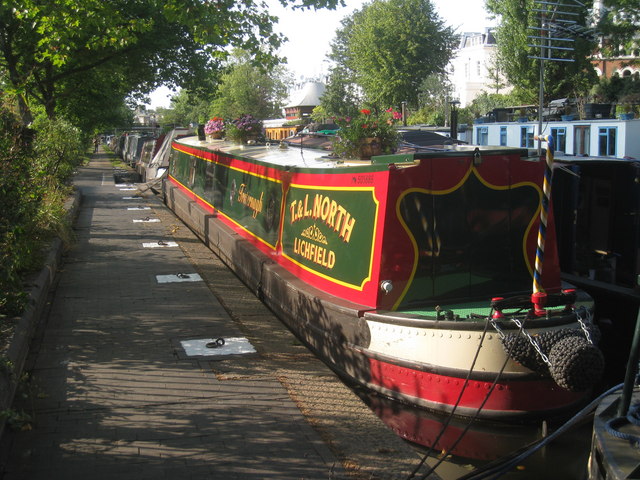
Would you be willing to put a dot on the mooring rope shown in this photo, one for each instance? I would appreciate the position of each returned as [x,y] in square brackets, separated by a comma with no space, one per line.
[632,418]
[498,468]
[453,410]
[472,419]
[546,197]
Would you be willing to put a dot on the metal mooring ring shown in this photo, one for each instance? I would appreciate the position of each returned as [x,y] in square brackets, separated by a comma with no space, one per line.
[218,342]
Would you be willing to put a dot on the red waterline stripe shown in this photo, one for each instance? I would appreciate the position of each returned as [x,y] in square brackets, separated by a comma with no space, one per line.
[516,396]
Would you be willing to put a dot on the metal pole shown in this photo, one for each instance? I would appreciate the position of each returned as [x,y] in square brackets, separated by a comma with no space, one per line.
[632,370]
[541,89]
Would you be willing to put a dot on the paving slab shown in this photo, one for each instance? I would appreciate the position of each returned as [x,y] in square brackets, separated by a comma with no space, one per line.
[113,394]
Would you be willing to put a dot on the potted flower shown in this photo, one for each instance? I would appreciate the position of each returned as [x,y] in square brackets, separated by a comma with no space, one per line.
[367,134]
[214,128]
[244,128]
[626,107]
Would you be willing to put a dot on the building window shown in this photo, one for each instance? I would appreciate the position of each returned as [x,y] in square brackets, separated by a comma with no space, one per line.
[560,137]
[607,141]
[526,137]
[478,68]
[482,135]
[503,136]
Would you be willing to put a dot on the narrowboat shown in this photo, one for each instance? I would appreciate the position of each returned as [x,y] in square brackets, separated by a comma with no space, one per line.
[410,274]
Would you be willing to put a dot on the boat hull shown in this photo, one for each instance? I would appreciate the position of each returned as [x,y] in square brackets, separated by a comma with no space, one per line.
[429,361]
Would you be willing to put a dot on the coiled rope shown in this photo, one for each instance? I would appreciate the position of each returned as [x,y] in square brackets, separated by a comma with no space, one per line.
[632,418]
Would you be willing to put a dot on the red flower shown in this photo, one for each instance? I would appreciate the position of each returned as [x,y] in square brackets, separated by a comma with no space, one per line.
[365,111]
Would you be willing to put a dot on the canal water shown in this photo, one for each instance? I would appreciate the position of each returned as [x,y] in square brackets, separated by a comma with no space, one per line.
[467,448]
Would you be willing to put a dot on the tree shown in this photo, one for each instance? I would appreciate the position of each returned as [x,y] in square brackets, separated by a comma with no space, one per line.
[434,95]
[248,89]
[340,98]
[496,80]
[618,22]
[45,44]
[390,46]
[486,102]
[186,108]
[561,79]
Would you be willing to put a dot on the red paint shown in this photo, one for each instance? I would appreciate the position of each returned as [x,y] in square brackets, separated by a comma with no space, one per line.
[512,397]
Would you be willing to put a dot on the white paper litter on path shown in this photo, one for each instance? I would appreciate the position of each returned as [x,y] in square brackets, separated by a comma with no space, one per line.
[138,208]
[232,346]
[145,220]
[180,277]
[159,244]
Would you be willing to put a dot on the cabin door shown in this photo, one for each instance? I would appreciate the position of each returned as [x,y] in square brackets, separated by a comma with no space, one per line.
[581,139]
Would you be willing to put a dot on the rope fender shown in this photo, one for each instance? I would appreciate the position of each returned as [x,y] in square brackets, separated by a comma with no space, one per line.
[574,363]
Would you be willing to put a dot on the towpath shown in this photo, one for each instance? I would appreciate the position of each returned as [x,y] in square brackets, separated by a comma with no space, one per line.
[118,393]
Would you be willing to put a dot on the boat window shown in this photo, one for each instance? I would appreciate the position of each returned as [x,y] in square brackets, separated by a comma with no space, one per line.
[503,136]
[607,141]
[526,137]
[560,137]
[482,135]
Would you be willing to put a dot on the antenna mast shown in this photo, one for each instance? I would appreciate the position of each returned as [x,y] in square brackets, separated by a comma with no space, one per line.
[557,22]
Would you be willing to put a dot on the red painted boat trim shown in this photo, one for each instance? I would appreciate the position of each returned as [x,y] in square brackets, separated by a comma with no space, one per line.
[512,397]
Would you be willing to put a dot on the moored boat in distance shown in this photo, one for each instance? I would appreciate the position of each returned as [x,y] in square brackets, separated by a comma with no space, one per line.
[410,274]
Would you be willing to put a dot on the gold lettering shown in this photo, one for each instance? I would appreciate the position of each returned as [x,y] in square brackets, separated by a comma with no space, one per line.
[317,202]
[314,253]
[347,228]
[292,207]
[255,204]
[331,221]
[324,213]
[329,211]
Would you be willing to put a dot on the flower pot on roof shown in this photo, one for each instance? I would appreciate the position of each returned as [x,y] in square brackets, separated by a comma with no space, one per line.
[367,134]
[214,128]
[629,105]
[370,147]
[243,129]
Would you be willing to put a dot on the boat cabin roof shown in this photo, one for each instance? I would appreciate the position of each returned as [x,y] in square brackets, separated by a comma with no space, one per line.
[284,155]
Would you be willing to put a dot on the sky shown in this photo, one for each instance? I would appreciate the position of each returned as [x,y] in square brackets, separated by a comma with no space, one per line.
[311,32]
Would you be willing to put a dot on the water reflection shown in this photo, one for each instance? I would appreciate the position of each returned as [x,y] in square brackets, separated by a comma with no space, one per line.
[485,444]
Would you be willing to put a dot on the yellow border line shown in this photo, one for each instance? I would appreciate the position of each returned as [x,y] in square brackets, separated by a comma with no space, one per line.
[473,170]
[375,229]
[229,166]
[220,212]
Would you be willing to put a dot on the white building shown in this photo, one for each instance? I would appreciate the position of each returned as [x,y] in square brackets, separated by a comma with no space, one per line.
[606,137]
[473,69]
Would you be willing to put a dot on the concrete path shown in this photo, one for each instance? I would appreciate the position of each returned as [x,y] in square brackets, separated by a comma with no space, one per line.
[115,395]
